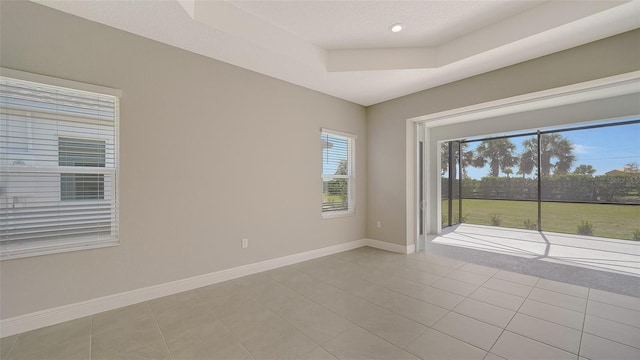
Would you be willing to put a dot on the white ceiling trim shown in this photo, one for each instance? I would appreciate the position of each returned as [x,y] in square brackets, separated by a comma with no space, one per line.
[617,85]
[223,16]
[381,59]
[226,17]
[543,20]
[223,31]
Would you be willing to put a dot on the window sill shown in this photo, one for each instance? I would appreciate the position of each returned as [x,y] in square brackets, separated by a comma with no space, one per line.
[337,214]
[10,252]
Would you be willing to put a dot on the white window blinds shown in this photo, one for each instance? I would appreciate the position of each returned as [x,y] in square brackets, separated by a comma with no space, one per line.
[58,169]
[338,173]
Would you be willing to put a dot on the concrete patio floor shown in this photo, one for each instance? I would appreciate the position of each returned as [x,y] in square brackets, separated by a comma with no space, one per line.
[610,264]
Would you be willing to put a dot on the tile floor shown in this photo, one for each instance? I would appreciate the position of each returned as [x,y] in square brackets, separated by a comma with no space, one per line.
[361,304]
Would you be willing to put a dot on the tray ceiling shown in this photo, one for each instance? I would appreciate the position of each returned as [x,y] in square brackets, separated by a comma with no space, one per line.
[345,48]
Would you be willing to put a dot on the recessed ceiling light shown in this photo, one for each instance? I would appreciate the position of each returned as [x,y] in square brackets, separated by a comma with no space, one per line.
[396,28]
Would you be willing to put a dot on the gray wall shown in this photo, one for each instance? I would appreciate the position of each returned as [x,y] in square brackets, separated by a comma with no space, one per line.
[210,153]
[387,125]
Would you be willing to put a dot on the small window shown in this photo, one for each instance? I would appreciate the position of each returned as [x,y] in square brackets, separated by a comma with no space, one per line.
[338,174]
[58,165]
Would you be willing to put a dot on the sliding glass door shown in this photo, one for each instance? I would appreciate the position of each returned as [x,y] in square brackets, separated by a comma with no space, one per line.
[581,180]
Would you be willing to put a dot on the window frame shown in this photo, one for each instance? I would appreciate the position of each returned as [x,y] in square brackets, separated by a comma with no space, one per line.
[22,248]
[351,175]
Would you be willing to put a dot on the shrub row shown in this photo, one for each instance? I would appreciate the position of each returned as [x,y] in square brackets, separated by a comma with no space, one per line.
[619,188]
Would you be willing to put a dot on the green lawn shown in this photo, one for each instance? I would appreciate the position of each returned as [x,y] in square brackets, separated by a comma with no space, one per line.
[333,202]
[612,221]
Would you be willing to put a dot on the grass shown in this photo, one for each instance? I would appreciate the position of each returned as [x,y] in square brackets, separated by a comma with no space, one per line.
[333,202]
[611,221]
[328,198]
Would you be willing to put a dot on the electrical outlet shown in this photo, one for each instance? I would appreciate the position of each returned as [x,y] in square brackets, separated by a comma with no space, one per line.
[379,224]
[245,243]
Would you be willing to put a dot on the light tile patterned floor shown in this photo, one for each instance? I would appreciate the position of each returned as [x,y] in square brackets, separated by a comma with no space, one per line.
[360,304]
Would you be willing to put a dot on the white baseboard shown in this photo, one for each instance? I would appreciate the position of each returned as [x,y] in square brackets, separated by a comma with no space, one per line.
[383,245]
[40,319]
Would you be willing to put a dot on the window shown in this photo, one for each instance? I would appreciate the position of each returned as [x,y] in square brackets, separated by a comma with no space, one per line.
[58,165]
[338,174]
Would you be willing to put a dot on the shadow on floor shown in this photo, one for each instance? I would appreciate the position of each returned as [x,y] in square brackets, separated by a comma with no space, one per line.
[600,263]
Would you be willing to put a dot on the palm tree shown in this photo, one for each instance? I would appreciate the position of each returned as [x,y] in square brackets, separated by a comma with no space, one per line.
[498,153]
[529,156]
[584,170]
[467,157]
[444,158]
[508,171]
[554,147]
[560,149]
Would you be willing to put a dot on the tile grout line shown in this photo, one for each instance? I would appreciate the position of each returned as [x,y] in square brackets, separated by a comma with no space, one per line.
[482,321]
[13,346]
[252,297]
[374,304]
[553,346]
[467,282]
[91,339]
[502,292]
[470,298]
[322,306]
[514,315]
[359,270]
[584,321]
[356,324]
[613,341]
[164,340]
[427,327]
[452,311]
[217,317]
[551,321]
[451,336]
[602,337]
[556,292]
[612,320]
[285,320]
[564,308]
[417,284]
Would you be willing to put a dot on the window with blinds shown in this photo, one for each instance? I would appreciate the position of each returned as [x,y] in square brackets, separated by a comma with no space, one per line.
[338,174]
[58,167]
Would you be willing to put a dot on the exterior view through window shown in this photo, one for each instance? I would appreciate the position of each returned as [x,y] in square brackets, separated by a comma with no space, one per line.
[58,168]
[81,152]
[338,175]
[581,180]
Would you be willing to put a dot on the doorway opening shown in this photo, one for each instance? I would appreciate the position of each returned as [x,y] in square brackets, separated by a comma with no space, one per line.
[581,180]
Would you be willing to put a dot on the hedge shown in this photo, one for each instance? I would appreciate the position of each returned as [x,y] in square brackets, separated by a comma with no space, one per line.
[603,188]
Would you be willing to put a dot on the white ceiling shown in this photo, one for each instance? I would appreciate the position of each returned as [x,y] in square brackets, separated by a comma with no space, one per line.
[365,24]
[345,48]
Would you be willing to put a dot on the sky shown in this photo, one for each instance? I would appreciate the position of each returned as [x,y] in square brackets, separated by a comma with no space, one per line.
[605,148]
